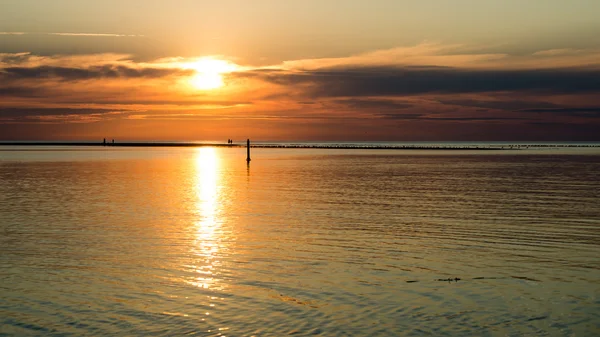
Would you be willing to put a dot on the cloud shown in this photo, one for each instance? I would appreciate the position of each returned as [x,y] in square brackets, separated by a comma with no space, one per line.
[95,72]
[360,81]
[592,112]
[286,115]
[28,60]
[431,68]
[57,115]
[369,104]
[402,116]
[556,52]
[94,34]
[397,88]
[423,116]
[509,105]
[73,34]
[24,91]
[422,54]
[453,56]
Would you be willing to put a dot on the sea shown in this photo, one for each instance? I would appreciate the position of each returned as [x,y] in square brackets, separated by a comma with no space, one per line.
[196,241]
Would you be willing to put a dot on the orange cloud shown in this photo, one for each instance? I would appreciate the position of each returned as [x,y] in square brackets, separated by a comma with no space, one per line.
[378,95]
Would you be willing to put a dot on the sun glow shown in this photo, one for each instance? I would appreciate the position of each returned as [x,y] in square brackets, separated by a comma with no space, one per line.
[207,243]
[209,73]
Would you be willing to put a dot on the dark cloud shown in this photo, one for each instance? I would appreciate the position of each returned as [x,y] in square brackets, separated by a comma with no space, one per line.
[593,112]
[407,116]
[14,58]
[397,81]
[35,115]
[510,105]
[23,112]
[94,72]
[378,104]
[477,118]
[522,106]
[19,91]
[426,117]
[145,101]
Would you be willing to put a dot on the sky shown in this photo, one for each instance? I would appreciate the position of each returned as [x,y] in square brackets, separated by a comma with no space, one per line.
[379,70]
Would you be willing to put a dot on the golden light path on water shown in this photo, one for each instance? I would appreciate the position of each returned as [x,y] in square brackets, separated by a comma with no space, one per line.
[192,241]
[207,227]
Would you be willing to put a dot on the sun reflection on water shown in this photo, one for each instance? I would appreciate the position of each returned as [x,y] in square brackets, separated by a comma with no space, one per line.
[208,235]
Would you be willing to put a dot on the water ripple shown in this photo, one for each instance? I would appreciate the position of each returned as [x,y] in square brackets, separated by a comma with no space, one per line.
[194,242]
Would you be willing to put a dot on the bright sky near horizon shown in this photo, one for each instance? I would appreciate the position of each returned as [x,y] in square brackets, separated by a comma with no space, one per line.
[327,69]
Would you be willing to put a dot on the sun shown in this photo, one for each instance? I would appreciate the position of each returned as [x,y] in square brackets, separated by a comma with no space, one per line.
[207,81]
[209,73]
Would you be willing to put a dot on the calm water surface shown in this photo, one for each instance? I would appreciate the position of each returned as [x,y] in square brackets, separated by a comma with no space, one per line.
[192,241]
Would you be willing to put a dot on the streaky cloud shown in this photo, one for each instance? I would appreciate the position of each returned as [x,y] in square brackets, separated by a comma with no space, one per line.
[360,81]
[20,91]
[402,89]
[72,34]
[94,72]
[509,105]
[592,112]
[37,111]
[426,117]
[556,52]
[380,104]
[95,34]
[36,115]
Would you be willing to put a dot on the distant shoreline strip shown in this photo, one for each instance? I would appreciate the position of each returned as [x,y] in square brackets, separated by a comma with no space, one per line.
[309,146]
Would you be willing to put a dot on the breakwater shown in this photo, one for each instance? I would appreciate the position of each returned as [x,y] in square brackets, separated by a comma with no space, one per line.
[362,146]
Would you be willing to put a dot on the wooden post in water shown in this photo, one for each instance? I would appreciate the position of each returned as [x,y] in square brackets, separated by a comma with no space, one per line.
[248,150]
